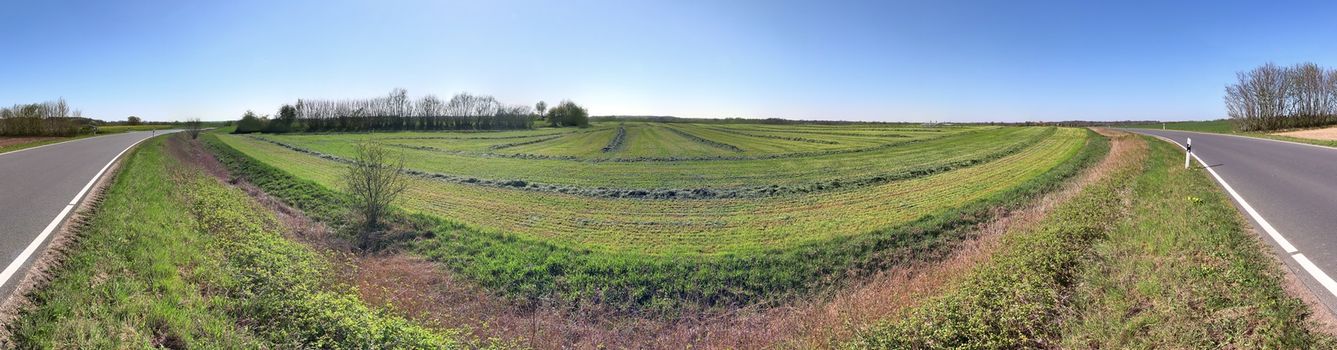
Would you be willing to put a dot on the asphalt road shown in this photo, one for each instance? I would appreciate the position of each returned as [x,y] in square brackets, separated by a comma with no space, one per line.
[37,185]
[1292,187]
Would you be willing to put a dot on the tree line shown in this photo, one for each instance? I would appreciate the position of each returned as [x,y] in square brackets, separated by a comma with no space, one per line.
[395,112]
[51,118]
[1272,97]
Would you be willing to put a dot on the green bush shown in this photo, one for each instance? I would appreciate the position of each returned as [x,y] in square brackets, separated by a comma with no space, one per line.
[249,123]
[568,113]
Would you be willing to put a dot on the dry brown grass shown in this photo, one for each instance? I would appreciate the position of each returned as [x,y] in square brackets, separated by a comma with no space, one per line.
[1329,134]
[430,294]
[11,141]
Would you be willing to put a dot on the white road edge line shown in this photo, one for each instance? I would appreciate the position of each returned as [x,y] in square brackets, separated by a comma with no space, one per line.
[1318,274]
[41,238]
[1309,267]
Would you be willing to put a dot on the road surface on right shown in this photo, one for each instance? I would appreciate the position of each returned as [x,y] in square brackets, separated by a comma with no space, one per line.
[1293,187]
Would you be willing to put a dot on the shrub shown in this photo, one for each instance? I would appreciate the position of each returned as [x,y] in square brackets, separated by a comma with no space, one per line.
[568,113]
[249,123]
[374,179]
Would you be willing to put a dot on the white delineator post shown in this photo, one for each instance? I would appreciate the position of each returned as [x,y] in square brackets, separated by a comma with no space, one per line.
[1188,151]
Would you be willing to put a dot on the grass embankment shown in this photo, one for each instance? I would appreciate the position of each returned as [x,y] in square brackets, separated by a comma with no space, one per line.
[1154,256]
[173,258]
[529,269]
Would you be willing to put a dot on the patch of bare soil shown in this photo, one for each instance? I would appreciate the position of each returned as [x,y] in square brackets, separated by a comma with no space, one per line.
[10,141]
[1316,134]
[429,293]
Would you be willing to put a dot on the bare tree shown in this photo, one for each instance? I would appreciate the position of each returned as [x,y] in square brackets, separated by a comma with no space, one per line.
[541,107]
[374,179]
[1272,97]
[193,127]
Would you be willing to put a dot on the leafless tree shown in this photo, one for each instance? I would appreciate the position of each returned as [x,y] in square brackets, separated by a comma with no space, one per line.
[1273,97]
[193,127]
[374,179]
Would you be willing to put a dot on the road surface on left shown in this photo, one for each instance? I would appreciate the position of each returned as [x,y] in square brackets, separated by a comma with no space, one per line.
[40,187]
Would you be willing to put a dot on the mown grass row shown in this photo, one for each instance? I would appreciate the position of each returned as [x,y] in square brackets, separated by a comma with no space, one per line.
[539,270]
[1153,256]
[705,141]
[778,137]
[175,259]
[916,171]
[615,144]
[744,171]
[703,227]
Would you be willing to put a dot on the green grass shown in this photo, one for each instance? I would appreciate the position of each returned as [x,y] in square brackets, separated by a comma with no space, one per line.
[666,254]
[1222,126]
[1154,256]
[710,227]
[173,258]
[115,129]
[797,169]
[1183,271]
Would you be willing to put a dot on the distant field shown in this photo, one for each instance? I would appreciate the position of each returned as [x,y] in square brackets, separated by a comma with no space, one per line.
[112,129]
[711,214]
[1218,126]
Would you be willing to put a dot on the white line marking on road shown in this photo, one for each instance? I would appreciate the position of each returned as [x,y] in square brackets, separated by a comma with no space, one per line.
[1318,274]
[41,238]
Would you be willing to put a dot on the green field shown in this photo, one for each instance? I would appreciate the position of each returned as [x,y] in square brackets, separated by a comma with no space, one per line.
[1222,126]
[710,214]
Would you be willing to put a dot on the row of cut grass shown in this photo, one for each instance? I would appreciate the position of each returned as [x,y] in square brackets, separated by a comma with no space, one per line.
[530,267]
[712,226]
[819,166]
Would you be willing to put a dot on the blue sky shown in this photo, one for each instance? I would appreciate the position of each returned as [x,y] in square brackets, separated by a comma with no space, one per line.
[879,60]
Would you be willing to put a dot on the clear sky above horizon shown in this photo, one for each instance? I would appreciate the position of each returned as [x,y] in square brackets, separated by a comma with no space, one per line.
[876,60]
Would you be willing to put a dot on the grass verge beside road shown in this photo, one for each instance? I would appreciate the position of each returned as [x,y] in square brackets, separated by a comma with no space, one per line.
[173,258]
[1155,256]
